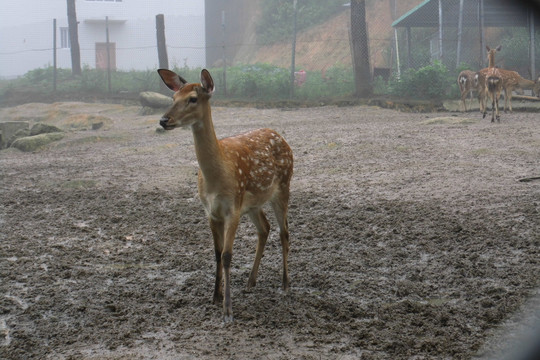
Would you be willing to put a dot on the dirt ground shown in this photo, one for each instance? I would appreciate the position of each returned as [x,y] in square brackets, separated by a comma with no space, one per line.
[412,237]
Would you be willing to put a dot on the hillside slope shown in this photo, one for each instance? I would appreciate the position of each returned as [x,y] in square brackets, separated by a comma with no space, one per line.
[327,44]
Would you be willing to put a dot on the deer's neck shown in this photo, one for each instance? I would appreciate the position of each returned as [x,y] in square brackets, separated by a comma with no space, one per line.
[491,60]
[207,148]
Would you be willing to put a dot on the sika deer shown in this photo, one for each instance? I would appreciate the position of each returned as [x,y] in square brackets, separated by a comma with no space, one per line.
[493,84]
[237,175]
[511,80]
[466,85]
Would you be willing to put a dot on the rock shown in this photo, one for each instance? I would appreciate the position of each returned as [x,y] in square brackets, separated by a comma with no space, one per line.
[8,129]
[154,100]
[19,134]
[41,128]
[32,143]
[97,126]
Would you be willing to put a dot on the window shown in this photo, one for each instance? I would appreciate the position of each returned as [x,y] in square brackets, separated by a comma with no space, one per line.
[64,38]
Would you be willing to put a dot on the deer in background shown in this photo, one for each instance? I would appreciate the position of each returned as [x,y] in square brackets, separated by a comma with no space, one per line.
[536,87]
[237,175]
[511,80]
[466,85]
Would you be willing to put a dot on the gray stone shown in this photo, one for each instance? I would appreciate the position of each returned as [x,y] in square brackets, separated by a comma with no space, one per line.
[154,100]
[8,129]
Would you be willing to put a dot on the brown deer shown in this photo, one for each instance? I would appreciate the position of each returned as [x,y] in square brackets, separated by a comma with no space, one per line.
[237,175]
[466,85]
[491,78]
[536,88]
[511,80]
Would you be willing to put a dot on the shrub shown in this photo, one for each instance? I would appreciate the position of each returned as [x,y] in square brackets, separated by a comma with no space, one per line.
[429,82]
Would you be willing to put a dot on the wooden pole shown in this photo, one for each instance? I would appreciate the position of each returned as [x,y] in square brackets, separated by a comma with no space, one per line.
[224,35]
[440,31]
[161,43]
[481,29]
[74,38]
[54,55]
[162,48]
[108,53]
[531,44]
[293,51]
[459,33]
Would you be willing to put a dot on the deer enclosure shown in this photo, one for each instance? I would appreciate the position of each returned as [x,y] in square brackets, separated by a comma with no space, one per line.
[412,236]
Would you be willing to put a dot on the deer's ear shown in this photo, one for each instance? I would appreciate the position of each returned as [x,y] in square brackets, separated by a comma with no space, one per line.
[207,82]
[499,48]
[173,81]
[487,48]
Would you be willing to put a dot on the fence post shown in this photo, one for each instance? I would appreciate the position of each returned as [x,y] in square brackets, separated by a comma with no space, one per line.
[161,44]
[54,55]
[108,53]
[224,53]
[163,59]
[459,33]
[531,43]
[293,50]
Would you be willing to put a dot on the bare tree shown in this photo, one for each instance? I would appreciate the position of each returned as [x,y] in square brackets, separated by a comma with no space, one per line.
[74,38]
[360,50]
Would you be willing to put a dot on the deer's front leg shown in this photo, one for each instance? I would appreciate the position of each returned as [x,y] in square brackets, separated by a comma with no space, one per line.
[226,258]
[217,228]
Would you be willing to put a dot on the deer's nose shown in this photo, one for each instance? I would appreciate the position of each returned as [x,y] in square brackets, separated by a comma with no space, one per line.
[163,122]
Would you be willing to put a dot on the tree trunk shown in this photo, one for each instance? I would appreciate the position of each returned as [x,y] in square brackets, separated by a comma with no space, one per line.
[74,38]
[360,49]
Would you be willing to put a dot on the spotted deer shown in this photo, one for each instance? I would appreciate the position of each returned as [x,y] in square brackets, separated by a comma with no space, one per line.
[466,85]
[492,79]
[237,175]
[511,81]
[536,87]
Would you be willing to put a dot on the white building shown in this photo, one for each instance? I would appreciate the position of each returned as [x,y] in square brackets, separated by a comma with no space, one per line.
[26,34]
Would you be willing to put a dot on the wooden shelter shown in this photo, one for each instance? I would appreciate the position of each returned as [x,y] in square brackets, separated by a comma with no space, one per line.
[445,14]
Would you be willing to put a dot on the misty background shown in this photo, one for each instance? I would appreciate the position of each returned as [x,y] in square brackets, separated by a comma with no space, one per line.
[268,49]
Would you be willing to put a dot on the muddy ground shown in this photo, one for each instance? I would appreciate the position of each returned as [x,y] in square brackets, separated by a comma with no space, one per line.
[412,237]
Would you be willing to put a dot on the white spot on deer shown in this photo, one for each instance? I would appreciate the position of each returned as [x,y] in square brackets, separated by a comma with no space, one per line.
[240,171]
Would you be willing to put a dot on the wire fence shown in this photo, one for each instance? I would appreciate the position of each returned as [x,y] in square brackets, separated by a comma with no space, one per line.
[324,54]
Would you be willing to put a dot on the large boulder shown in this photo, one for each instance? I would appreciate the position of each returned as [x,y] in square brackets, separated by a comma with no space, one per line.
[9,129]
[41,128]
[154,100]
[32,143]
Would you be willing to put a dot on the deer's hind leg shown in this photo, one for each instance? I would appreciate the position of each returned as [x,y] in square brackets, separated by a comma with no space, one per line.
[263,229]
[280,205]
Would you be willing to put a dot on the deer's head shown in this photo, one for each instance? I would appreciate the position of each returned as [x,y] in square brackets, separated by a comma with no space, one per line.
[491,54]
[190,101]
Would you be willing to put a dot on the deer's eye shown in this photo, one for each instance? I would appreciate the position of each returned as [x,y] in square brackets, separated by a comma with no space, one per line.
[192,100]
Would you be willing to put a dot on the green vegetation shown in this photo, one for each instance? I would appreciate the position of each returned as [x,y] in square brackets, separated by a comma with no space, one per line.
[433,82]
[244,82]
[515,50]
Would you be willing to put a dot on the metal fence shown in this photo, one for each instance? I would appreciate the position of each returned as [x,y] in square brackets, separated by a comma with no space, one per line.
[454,32]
